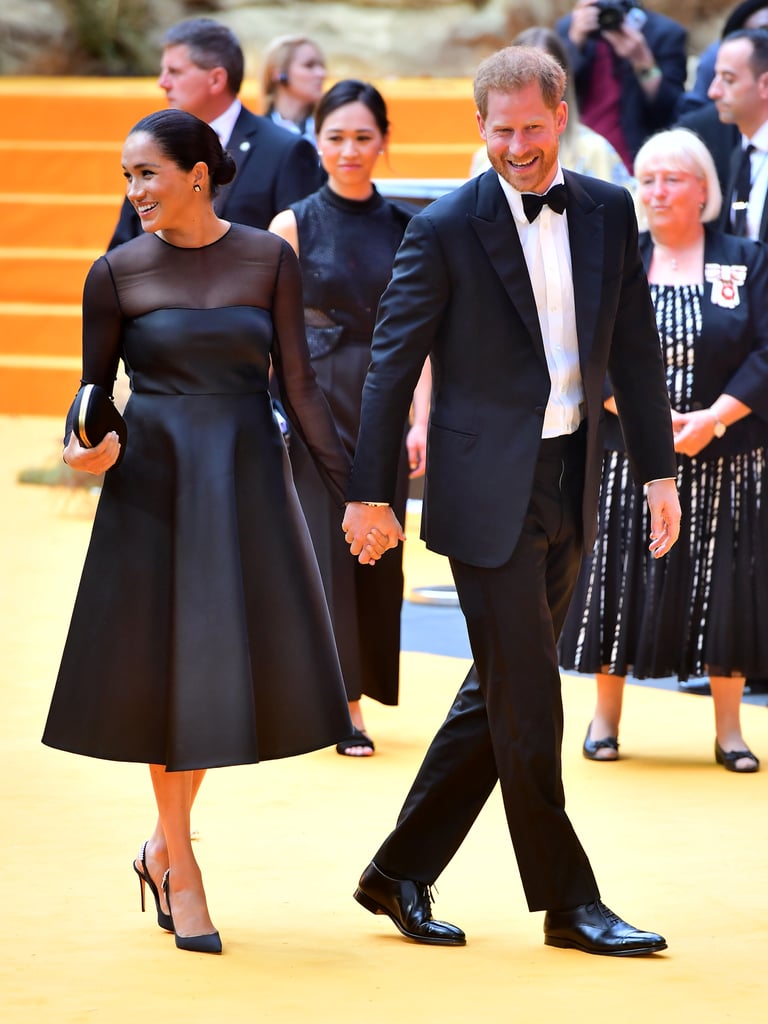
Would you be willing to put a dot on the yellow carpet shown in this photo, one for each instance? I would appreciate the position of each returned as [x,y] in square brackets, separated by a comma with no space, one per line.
[678,844]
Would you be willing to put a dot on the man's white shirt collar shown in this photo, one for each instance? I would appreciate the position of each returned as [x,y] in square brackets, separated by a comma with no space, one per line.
[515,198]
[224,124]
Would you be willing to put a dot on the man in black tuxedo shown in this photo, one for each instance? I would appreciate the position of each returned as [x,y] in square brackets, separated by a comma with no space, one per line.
[740,93]
[202,71]
[522,315]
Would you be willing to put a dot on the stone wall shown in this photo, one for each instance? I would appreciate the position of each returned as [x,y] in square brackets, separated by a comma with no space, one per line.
[368,38]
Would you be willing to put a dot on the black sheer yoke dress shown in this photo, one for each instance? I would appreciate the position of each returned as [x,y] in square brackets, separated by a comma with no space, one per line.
[346,252]
[200,635]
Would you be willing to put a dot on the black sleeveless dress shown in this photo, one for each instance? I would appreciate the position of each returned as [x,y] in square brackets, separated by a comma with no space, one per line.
[346,252]
[200,636]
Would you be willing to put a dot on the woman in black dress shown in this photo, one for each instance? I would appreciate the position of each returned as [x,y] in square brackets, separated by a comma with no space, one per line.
[200,636]
[702,611]
[346,236]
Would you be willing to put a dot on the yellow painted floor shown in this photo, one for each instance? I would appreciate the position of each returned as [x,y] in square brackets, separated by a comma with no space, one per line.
[678,844]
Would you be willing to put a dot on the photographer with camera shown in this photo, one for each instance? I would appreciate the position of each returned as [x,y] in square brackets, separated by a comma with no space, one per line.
[629,69]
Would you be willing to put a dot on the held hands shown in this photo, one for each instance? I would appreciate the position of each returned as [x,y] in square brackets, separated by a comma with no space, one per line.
[665,516]
[92,460]
[370,531]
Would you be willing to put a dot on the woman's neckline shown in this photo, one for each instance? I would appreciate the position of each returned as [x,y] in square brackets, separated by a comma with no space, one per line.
[194,248]
[355,205]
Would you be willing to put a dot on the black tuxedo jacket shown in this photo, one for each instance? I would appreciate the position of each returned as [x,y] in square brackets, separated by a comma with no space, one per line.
[274,169]
[640,117]
[460,292]
[725,216]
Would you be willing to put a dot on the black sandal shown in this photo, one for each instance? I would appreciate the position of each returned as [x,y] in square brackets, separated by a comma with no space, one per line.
[591,747]
[728,759]
[357,739]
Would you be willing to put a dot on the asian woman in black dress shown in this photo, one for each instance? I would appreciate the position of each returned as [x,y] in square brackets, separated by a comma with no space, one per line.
[346,235]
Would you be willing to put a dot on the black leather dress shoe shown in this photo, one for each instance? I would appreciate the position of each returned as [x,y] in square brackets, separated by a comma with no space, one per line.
[593,928]
[408,905]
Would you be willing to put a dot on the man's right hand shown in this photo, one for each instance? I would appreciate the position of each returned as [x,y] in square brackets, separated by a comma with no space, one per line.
[370,530]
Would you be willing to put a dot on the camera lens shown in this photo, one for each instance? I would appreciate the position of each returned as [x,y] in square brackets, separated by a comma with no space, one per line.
[610,15]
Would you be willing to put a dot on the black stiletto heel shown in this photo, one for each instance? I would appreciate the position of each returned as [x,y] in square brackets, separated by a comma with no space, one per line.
[164,920]
[210,943]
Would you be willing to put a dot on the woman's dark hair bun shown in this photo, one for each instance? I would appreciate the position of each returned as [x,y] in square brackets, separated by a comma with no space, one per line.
[226,170]
[187,140]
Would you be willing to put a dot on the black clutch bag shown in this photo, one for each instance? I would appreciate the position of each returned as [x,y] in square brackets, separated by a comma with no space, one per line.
[94,415]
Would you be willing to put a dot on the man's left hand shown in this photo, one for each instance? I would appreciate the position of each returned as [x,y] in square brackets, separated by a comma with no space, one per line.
[665,516]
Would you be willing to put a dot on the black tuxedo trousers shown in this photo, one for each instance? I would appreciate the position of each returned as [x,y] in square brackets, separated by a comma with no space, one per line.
[506,723]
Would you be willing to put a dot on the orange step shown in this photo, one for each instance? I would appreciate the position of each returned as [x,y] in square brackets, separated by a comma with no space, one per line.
[437,110]
[49,274]
[46,389]
[76,109]
[57,167]
[73,222]
[38,329]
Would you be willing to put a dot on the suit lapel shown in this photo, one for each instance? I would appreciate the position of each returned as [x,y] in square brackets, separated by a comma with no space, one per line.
[240,147]
[495,227]
[585,233]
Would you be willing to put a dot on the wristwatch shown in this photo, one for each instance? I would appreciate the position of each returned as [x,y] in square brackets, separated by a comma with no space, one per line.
[649,74]
[720,427]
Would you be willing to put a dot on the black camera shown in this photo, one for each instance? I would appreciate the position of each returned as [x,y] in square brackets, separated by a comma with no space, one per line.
[611,13]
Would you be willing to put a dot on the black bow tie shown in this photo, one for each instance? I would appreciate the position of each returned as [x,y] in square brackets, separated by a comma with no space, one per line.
[533,202]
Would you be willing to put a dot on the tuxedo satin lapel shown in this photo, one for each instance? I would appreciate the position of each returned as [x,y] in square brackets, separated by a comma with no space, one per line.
[586,225]
[495,227]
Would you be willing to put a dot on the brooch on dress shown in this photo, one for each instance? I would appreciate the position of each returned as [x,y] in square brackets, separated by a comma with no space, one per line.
[725,281]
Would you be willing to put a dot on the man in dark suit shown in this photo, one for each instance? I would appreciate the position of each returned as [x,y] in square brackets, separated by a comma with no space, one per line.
[202,71]
[522,319]
[740,93]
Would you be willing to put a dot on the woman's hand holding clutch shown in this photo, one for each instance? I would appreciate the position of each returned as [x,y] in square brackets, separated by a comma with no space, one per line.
[95,460]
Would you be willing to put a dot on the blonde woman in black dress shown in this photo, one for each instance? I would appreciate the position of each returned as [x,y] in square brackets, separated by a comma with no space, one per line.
[346,236]
[702,611]
[200,635]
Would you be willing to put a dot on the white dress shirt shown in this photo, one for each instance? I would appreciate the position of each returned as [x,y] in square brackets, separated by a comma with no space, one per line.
[759,179]
[224,124]
[548,256]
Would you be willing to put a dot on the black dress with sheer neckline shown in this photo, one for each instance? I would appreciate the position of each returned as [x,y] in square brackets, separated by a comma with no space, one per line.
[200,635]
